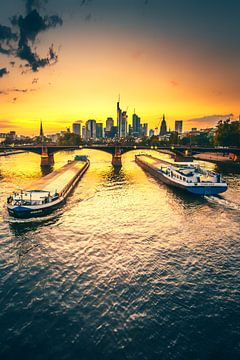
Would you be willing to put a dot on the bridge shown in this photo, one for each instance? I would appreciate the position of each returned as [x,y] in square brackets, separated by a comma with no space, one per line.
[181,153]
[46,152]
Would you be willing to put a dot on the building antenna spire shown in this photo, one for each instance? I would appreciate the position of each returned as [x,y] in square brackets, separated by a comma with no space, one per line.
[41,130]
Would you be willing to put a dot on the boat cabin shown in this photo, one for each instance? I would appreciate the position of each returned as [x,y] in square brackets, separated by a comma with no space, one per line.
[31,197]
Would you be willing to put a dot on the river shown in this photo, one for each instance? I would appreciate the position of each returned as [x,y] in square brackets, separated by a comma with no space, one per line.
[128,269]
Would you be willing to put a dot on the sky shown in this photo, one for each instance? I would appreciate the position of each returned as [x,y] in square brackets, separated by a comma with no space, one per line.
[68,60]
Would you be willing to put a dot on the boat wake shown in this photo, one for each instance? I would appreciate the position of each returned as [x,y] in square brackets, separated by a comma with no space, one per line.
[223,202]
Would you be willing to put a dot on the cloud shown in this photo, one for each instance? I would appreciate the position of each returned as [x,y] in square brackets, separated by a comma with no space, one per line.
[3,72]
[31,4]
[14,99]
[174,83]
[88,17]
[7,38]
[209,120]
[84,2]
[8,91]
[21,42]
[35,80]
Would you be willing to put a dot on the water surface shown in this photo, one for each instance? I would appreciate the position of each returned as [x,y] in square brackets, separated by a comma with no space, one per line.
[128,269]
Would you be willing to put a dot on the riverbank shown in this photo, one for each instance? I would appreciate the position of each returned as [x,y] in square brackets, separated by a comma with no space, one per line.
[214,157]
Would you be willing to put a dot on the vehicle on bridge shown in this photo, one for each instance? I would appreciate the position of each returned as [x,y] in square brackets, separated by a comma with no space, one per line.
[186,176]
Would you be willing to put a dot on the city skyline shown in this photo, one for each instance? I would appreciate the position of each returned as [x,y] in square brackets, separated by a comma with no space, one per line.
[161,58]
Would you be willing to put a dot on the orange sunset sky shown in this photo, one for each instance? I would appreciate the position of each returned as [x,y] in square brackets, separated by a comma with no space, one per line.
[182,62]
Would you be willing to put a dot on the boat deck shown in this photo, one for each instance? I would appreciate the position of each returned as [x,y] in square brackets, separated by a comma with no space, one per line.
[152,161]
[59,179]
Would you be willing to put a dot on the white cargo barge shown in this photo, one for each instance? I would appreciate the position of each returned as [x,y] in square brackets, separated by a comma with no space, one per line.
[186,176]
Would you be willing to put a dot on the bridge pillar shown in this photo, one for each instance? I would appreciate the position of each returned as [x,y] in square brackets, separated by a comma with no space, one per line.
[47,159]
[186,156]
[117,158]
[234,157]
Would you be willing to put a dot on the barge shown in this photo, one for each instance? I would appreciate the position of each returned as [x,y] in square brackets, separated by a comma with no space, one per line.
[49,193]
[189,177]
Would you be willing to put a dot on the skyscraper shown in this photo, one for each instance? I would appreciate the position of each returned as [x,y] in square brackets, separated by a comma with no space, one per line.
[136,125]
[84,133]
[144,129]
[178,126]
[109,123]
[151,132]
[91,127]
[121,122]
[76,128]
[99,130]
[163,128]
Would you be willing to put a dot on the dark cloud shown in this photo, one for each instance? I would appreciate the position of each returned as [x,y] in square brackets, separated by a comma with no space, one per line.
[3,72]
[20,90]
[84,2]
[21,43]
[7,38]
[8,91]
[14,99]
[88,17]
[34,4]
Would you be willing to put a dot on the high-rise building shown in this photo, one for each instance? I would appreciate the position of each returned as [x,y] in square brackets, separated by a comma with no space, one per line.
[84,133]
[76,128]
[121,121]
[151,132]
[130,130]
[99,130]
[136,125]
[144,129]
[178,126]
[91,128]
[113,132]
[163,128]
[109,123]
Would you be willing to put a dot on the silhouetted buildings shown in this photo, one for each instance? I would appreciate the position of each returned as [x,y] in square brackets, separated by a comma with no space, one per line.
[136,125]
[144,129]
[163,128]
[91,129]
[76,128]
[179,126]
[121,122]
[109,124]
[151,132]
[99,130]
[84,133]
